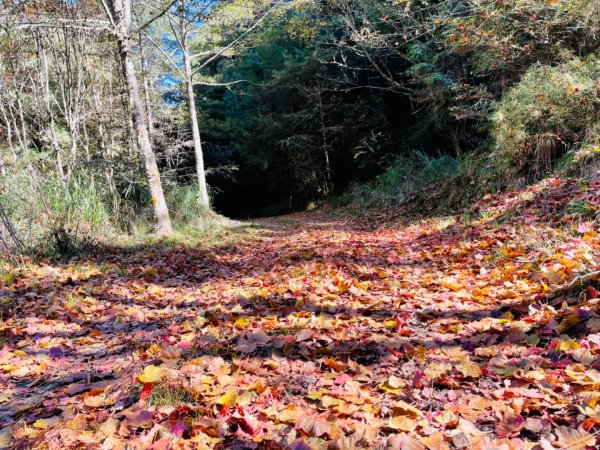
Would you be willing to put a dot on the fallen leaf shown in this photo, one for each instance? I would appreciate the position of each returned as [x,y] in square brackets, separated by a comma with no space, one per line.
[152,374]
[5,437]
[435,442]
[574,439]
[313,425]
[44,424]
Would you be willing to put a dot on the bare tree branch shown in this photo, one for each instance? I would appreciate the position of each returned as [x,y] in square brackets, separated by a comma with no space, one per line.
[239,38]
[154,18]
[165,54]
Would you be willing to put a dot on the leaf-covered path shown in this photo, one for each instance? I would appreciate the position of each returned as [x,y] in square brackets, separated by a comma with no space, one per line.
[320,332]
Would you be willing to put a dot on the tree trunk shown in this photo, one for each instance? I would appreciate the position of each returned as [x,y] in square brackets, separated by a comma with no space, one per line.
[324,142]
[200,172]
[147,100]
[121,15]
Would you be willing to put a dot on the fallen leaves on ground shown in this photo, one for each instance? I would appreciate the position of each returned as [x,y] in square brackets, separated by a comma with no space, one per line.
[320,332]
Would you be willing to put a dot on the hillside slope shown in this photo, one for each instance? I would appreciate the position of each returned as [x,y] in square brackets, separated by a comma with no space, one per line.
[317,331]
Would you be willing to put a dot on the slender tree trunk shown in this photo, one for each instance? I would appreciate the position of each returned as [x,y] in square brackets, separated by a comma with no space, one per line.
[121,16]
[161,212]
[8,127]
[324,142]
[147,100]
[51,128]
[200,172]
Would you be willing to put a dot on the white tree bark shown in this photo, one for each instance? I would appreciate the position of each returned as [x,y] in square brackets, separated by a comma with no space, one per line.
[200,172]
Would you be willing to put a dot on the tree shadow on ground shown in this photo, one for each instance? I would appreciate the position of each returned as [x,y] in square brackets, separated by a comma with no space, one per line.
[118,303]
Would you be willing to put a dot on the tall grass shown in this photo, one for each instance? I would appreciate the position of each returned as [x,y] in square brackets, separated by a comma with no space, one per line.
[187,213]
[184,205]
[53,216]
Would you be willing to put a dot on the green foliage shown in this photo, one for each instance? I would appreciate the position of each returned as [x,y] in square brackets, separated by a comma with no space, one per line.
[405,176]
[306,101]
[583,209]
[506,37]
[184,205]
[54,217]
[550,111]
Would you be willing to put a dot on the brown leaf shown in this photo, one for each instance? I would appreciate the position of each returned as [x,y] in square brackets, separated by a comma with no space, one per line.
[574,439]
[313,425]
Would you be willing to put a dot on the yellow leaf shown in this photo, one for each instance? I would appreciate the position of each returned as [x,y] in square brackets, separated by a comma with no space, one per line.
[346,408]
[436,370]
[245,398]
[393,385]
[401,408]
[343,286]
[569,344]
[435,442]
[454,353]
[152,374]
[447,418]
[452,284]
[43,424]
[506,317]
[395,382]
[289,415]
[327,401]
[230,399]
[390,323]
[419,353]
[153,349]
[242,322]
[316,395]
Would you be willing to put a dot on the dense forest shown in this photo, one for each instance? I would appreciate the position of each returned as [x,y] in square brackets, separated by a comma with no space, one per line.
[268,107]
[304,224]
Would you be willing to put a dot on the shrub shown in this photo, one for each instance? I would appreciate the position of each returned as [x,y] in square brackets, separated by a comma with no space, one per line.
[550,111]
[401,179]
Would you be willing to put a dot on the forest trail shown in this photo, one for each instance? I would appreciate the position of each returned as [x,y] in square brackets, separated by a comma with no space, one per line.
[314,330]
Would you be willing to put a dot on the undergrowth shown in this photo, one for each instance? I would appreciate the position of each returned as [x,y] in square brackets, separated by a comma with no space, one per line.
[405,176]
[169,395]
[548,121]
[54,217]
[67,218]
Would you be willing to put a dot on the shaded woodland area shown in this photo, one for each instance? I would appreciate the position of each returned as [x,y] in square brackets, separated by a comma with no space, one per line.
[300,224]
[279,105]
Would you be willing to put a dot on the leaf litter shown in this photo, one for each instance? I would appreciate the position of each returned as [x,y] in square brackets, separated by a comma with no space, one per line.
[320,332]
